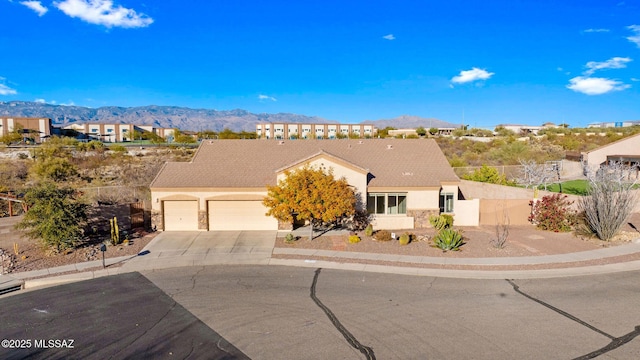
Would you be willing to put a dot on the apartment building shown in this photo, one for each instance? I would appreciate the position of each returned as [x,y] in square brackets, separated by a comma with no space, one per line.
[34,129]
[116,132]
[283,131]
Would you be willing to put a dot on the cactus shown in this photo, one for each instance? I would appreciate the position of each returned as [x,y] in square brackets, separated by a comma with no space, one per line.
[443,221]
[115,231]
[353,239]
[369,230]
[404,239]
[16,250]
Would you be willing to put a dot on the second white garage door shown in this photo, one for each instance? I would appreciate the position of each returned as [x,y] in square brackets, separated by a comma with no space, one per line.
[240,215]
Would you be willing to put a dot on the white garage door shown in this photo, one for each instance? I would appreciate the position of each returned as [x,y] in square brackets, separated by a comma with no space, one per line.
[240,215]
[180,215]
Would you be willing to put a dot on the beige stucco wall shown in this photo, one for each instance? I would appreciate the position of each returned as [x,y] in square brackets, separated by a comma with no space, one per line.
[354,177]
[202,196]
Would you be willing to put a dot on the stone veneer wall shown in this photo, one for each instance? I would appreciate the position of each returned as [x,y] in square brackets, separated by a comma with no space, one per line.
[285,225]
[203,220]
[156,220]
[421,217]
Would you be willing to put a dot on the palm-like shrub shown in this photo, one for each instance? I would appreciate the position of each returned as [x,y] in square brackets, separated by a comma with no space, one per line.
[448,239]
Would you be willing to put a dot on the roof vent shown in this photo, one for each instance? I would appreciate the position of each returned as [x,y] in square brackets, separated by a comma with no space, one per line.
[360,141]
[281,142]
[389,147]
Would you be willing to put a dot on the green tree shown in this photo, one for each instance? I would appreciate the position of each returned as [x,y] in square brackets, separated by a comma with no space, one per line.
[13,136]
[53,161]
[182,138]
[385,132]
[311,194]
[56,217]
[433,131]
[488,174]
[421,131]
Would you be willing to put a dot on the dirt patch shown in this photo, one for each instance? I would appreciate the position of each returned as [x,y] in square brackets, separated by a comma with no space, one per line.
[522,241]
[30,256]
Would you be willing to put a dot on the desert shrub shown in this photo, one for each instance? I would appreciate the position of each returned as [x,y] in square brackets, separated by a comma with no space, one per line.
[405,239]
[289,238]
[448,239]
[382,235]
[118,148]
[488,174]
[369,230]
[442,221]
[353,239]
[610,200]
[553,213]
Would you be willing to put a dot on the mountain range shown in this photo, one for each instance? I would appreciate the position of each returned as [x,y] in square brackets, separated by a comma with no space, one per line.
[184,118]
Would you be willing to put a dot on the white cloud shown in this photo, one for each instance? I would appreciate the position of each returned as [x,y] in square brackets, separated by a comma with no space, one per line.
[634,38]
[265,97]
[613,63]
[474,74]
[35,6]
[596,30]
[103,12]
[41,101]
[389,37]
[595,85]
[4,89]
[635,79]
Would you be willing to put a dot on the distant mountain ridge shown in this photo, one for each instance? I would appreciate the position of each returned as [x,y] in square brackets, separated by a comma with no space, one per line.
[182,117]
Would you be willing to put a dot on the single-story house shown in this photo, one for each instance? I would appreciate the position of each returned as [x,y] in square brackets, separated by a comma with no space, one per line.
[401,182]
[626,151]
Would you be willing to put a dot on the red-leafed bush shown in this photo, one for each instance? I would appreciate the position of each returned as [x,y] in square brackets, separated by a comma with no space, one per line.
[553,213]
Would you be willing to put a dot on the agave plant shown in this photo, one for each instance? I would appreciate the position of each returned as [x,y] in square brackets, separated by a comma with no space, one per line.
[448,239]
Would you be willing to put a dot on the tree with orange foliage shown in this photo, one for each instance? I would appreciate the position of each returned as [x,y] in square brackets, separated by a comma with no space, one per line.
[310,194]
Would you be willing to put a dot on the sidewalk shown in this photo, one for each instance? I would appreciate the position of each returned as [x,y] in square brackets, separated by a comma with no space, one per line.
[172,250]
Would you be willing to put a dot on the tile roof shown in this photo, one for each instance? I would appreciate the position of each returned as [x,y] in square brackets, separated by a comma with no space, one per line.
[254,163]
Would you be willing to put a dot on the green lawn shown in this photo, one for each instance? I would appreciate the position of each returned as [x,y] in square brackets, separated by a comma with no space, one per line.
[573,187]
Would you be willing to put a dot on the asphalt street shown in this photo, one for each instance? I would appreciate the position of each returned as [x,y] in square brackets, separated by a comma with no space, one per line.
[271,312]
[117,317]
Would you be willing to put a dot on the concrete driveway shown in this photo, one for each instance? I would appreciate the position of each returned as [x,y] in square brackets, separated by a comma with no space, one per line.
[196,248]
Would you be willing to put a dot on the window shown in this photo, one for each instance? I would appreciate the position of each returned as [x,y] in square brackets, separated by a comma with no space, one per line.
[389,204]
[446,202]
[109,130]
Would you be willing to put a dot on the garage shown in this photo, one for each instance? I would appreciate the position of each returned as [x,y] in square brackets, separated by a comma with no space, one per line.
[240,215]
[180,215]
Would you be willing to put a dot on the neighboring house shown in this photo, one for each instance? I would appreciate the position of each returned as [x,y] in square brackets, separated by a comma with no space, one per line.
[280,131]
[522,129]
[625,150]
[401,182]
[36,129]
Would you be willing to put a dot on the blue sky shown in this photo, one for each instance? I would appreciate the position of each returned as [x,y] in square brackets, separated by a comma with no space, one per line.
[484,63]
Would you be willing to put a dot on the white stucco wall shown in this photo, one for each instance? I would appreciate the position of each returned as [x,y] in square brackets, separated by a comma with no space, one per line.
[391,222]
[423,199]
[467,213]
